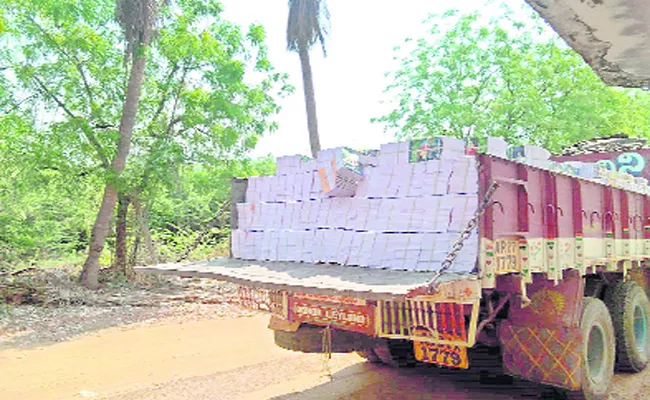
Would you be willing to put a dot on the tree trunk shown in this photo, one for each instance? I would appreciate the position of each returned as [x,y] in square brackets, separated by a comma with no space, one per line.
[121,252]
[144,232]
[133,260]
[310,100]
[90,274]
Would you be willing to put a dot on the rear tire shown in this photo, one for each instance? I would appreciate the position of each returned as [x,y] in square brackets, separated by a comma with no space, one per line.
[598,351]
[630,309]
[370,355]
[395,353]
[309,339]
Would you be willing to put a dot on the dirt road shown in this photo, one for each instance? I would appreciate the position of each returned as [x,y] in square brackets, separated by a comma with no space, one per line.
[232,359]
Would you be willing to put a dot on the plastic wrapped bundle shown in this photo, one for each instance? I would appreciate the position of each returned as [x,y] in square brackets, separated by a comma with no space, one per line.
[339,172]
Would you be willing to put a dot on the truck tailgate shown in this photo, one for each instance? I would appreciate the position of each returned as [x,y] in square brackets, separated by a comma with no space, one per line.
[325,279]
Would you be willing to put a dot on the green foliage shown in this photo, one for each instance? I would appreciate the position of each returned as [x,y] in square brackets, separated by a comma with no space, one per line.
[472,78]
[209,94]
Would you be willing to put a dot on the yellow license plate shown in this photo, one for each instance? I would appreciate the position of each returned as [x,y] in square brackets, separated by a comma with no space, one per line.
[442,354]
[506,256]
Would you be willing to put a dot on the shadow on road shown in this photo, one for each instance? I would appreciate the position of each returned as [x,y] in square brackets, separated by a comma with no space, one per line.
[372,381]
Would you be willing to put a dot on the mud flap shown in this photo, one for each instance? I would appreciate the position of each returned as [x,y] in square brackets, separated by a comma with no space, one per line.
[542,342]
[548,356]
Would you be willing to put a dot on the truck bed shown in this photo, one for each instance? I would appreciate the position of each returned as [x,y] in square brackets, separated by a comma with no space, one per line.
[323,279]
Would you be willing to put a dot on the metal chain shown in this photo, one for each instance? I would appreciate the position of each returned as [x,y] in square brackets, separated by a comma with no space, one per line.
[465,234]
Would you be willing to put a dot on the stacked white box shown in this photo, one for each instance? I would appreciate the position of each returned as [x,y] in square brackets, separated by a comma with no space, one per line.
[394,153]
[340,209]
[345,247]
[288,165]
[464,206]
[380,214]
[403,215]
[532,155]
[434,249]
[237,238]
[363,190]
[307,246]
[324,209]
[402,250]
[464,176]
[378,247]
[497,147]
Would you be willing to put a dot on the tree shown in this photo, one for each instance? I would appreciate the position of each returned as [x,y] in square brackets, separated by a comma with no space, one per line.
[209,94]
[308,24]
[137,19]
[472,78]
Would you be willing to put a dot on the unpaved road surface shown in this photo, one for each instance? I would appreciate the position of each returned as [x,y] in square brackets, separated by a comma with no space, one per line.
[233,359]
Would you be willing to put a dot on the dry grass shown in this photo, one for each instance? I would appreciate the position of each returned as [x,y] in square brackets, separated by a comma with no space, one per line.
[48,305]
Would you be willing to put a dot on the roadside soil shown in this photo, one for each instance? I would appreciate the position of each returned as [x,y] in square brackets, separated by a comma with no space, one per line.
[61,309]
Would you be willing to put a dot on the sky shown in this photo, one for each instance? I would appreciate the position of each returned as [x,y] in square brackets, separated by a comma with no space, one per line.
[349,82]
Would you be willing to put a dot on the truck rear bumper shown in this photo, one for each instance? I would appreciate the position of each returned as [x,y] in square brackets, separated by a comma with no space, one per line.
[374,302]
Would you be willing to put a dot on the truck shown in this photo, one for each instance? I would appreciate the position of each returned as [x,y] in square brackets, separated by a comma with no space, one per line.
[554,274]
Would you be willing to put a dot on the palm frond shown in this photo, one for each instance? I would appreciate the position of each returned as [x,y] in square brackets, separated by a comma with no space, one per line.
[309,22]
[138,20]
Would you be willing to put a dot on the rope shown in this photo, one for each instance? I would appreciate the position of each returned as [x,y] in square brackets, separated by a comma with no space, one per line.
[327,350]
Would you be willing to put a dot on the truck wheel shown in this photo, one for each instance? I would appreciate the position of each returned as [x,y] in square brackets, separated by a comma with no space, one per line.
[309,339]
[630,309]
[598,351]
[396,353]
[370,355]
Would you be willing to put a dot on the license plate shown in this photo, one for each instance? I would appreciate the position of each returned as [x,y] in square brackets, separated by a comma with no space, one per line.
[441,354]
[506,256]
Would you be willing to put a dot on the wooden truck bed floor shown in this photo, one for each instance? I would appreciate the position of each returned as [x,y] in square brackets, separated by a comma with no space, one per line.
[324,279]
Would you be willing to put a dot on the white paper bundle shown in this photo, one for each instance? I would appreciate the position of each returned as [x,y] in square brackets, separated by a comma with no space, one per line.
[532,155]
[328,241]
[402,251]
[264,188]
[380,214]
[463,210]
[434,249]
[307,246]
[252,191]
[364,257]
[309,213]
[324,210]
[288,165]
[363,189]
[497,147]
[394,153]
[464,176]
[322,244]
[236,242]
[248,247]
[435,212]
[281,247]
[379,181]
[345,246]
[340,210]
[378,248]
[466,259]
[402,216]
